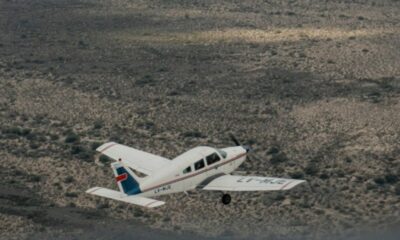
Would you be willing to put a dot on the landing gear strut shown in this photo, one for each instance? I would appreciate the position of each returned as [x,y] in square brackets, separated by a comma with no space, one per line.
[226,199]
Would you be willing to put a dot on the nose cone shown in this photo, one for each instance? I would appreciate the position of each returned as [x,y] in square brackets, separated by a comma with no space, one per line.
[247,148]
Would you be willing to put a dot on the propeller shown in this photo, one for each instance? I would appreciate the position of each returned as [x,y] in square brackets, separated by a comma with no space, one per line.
[234,139]
[251,154]
[249,150]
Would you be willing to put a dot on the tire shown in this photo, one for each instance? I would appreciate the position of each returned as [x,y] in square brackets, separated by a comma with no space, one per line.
[226,199]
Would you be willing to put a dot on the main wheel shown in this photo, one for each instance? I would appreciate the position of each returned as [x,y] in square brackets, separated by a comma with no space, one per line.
[226,199]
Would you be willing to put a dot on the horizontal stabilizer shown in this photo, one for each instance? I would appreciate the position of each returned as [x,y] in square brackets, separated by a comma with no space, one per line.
[137,200]
[141,161]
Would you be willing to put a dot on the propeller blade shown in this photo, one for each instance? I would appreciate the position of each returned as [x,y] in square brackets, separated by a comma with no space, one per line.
[234,139]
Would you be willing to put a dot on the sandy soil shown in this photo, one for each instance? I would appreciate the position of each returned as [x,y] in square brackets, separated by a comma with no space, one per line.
[313,86]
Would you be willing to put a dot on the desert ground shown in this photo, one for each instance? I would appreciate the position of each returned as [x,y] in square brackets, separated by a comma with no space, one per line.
[313,86]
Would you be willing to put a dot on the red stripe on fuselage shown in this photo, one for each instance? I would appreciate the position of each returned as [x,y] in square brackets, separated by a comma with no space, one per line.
[194,174]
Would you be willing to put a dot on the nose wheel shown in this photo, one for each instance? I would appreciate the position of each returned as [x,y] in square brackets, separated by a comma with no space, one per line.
[226,199]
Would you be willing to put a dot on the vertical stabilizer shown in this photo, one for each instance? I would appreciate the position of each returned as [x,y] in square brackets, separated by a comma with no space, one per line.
[128,182]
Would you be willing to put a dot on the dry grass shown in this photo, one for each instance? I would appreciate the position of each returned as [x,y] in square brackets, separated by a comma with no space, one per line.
[245,35]
[317,82]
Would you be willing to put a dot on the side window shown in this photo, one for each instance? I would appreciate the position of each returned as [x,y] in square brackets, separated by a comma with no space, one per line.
[187,170]
[199,164]
[213,158]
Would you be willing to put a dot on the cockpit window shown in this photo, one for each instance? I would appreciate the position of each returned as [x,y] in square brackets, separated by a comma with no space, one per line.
[213,158]
[187,170]
[222,153]
[199,164]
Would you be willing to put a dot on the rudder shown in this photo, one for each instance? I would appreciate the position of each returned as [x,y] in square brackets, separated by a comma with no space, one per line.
[127,181]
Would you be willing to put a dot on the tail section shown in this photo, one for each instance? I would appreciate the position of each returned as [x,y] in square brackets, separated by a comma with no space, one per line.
[128,182]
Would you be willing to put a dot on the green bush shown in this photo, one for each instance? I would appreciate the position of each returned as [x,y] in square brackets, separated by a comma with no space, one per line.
[311,169]
[138,212]
[98,124]
[397,189]
[278,158]
[273,150]
[102,206]
[193,134]
[31,136]
[297,175]
[146,80]
[25,131]
[54,137]
[95,145]
[87,156]
[71,138]
[71,194]
[146,124]
[12,131]
[34,178]
[69,179]
[391,178]
[379,181]
[323,176]
[34,145]
[279,197]
[77,149]
[104,159]
[82,152]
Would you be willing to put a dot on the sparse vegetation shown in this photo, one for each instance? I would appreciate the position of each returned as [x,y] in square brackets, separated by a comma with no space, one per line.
[34,178]
[313,88]
[71,194]
[69,179]
[297,175]
[146,124]
[397,189]
[277,158]
[379,180]
[193,134]
[98,124]
[104,159]
[71,138]
[391,178]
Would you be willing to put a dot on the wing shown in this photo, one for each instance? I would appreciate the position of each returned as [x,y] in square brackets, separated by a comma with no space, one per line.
[141,161]
[137,200]
[251,183]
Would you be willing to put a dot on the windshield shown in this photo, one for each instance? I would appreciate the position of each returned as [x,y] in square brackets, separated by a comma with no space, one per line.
[222,153]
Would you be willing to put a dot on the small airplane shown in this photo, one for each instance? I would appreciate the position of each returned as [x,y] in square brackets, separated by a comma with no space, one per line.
[204,168]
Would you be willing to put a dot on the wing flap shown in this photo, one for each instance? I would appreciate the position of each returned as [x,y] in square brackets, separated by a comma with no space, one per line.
[141,161]
[251,183]
[137,200]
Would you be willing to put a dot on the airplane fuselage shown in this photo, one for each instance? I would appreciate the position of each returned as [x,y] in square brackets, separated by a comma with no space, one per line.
[173,179]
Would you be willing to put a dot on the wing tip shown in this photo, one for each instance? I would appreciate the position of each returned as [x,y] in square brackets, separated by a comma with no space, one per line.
[293,184]
[92,190]
[105,146]
[155,204]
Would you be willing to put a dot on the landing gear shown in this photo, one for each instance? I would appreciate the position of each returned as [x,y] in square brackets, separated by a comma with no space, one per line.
[226,199]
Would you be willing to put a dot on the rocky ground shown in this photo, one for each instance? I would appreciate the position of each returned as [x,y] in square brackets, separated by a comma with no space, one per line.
[313,86]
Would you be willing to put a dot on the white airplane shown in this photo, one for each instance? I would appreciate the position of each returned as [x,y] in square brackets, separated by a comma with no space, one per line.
[204,168]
